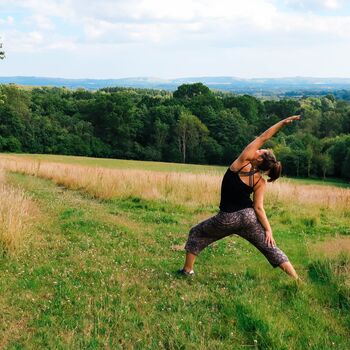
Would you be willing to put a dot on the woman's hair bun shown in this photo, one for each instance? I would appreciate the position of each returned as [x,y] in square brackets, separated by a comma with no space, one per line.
[275,172]
[270,165]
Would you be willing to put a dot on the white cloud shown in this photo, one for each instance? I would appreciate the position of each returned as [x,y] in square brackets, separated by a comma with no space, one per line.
[172,26]
[185,21]
[60,44]
[167,22]
[41,22]
[332,4]
[35,41]
[316,5]
[45,8]
[8,21]
[17,41]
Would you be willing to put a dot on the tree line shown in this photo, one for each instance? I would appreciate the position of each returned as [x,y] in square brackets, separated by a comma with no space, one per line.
[193,124]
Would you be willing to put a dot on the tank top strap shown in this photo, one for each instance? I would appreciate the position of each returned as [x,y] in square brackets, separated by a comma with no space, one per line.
[251,172]
[238,171]
[251,180]
[257,181]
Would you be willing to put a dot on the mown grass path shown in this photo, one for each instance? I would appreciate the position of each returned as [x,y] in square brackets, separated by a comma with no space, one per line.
[101,274]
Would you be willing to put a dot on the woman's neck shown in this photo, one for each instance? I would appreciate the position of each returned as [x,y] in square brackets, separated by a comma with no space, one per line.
[254,163]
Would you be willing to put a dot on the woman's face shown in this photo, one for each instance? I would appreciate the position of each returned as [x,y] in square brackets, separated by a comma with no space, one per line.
[259,153]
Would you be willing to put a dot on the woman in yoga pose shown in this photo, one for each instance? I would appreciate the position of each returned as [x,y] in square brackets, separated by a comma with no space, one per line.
[238,213]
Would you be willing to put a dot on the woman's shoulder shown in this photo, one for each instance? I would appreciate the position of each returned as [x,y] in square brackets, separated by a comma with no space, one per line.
[260,183]
[238,165]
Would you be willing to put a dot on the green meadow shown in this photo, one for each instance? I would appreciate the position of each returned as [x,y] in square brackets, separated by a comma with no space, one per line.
[101,274]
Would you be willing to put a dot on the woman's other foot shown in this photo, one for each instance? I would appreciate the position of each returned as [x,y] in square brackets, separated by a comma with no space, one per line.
[183,272]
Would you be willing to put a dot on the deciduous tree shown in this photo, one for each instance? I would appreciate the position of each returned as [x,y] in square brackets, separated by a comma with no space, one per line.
[190,131]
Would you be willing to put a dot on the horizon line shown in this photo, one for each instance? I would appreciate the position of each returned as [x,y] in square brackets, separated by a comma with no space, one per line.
[177,78]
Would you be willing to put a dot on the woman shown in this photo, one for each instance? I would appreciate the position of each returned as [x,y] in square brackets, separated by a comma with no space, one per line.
[238,213]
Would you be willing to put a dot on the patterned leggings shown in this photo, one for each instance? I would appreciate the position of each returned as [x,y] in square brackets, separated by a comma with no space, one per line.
[244,223]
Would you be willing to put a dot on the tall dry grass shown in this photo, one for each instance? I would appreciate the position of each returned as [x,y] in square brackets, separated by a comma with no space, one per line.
[15,209]
[198,189]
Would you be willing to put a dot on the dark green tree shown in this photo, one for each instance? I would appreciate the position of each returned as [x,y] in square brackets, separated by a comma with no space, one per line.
[190,132]
[338,148]
[248,106]
[282,108]
[345,171]
[193,125]
[187,91]
[326,164]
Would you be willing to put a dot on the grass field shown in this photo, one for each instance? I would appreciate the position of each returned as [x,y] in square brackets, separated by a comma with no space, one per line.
[122,163]
[159,166]
[97,271]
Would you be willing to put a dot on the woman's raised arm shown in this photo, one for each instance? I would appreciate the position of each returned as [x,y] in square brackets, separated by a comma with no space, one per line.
[249,152]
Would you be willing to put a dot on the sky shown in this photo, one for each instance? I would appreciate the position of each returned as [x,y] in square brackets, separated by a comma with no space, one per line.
[175,38]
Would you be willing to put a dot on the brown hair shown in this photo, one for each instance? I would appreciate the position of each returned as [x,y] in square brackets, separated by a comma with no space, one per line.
[270,165]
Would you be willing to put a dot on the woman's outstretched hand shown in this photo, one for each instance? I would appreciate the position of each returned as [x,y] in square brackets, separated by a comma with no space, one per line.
[291,119]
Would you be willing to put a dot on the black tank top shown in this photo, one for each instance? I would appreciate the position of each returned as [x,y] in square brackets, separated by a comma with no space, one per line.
[235,194]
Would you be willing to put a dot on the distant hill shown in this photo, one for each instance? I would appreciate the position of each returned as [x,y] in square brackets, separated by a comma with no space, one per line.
[238,85]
